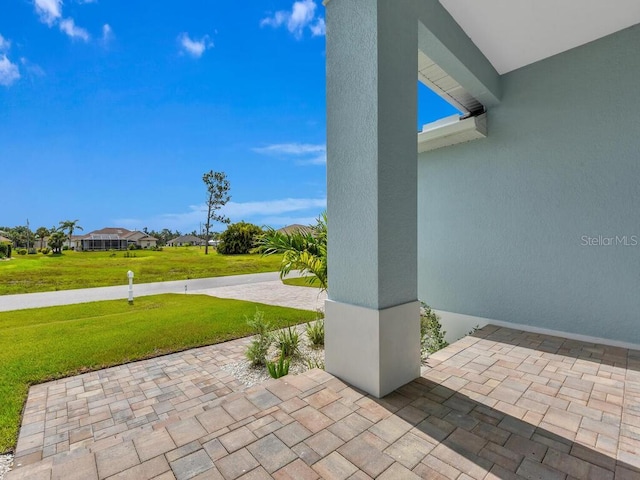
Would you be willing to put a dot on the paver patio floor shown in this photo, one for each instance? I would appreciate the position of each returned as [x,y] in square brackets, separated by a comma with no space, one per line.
[501,404]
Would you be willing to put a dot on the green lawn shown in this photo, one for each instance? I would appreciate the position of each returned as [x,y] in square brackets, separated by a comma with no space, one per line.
[41,273]
[42,344]
[302,282]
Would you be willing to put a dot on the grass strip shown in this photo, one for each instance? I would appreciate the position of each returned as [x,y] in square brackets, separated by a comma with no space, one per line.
[302,282]
[46,273]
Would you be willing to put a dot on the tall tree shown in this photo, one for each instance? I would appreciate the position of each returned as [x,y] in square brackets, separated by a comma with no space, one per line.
[42,233]
[21,236]
[217,197]
[69,226]
[166,235]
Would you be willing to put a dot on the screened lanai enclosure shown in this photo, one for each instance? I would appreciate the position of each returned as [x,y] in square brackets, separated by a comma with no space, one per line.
[98,242]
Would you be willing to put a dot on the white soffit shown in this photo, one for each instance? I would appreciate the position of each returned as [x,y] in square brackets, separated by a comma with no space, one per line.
[439,81]
[515,33]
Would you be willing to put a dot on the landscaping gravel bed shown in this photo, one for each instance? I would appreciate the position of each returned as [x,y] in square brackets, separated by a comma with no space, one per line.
[251,375]
[5,463]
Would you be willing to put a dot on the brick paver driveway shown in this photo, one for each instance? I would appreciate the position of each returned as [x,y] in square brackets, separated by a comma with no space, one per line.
[501,404]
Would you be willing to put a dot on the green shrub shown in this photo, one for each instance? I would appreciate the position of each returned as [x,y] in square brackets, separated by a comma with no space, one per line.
[302,250]
[315,333]
[474,330]
[22,251]
[239,238]
[65,247]
[263,338]
[45,250]
[431,333]
[32,251]
[280,368]
[4,250]
[288,341]
[132,246]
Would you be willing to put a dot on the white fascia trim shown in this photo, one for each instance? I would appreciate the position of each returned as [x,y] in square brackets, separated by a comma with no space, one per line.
[451,131]
[482,321]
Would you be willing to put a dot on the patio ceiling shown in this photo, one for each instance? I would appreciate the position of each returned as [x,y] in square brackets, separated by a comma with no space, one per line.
[510,34]
[515,33]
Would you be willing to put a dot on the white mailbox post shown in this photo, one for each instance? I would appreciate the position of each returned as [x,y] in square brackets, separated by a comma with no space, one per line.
[130,276]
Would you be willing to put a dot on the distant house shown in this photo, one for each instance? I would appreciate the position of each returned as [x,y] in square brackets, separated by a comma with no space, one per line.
[296,227]
[142,239]
[112,238]
[185,240]
[4,239]
[76,242]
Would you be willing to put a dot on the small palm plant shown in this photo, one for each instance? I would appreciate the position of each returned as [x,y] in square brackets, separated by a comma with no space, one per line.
[289,341]
[315,333]
[303,250]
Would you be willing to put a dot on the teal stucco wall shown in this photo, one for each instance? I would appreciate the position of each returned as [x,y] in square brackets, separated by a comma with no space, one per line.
[539,223]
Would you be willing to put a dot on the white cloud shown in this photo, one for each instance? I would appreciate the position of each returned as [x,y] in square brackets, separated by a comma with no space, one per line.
[301,16]
[318,29]
[290,149]
[49,10]
[9,72]
[319,160]
[69,27]
[301,153]
[272,207]
[107,33]
[270,212]
[5,44]
[193,47]
[278,19]
[32,68]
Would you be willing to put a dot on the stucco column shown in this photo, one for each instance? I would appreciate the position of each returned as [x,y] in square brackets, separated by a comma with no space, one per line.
[372,315]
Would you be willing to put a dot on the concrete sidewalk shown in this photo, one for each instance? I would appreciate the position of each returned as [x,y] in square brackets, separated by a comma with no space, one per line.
[201,285]
[272,293]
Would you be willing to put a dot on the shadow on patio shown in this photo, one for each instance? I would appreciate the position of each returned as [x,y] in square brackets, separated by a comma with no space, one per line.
[499,404]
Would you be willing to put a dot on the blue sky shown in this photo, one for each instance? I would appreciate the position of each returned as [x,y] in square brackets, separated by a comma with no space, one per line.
[111,111]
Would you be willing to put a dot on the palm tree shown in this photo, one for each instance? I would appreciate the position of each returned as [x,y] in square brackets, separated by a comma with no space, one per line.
[42,233]
[70,226]
[56,240]
[304,250]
